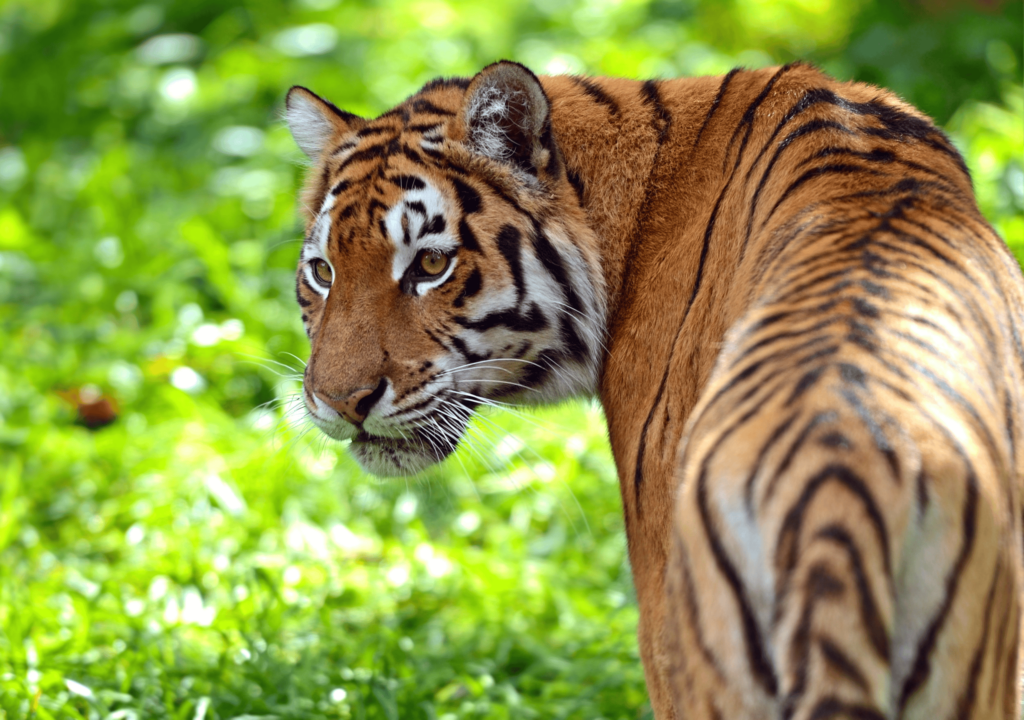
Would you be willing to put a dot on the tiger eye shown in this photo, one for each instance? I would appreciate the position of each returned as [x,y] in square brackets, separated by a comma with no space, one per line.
[433,263]
[322,272]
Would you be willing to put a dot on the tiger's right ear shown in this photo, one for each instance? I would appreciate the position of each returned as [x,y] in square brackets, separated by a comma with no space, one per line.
[314,121]
[507,117]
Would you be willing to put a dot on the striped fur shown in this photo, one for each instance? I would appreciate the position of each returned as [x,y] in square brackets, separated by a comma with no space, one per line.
[806,339]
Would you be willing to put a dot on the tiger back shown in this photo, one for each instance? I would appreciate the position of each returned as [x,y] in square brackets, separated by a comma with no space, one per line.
[805,337]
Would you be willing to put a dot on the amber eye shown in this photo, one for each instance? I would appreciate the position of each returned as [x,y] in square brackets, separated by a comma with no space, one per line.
[322,272]
[432,262]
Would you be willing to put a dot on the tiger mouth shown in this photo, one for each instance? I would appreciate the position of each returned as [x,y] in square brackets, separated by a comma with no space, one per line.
[439,449]
[391,443]
[399,456]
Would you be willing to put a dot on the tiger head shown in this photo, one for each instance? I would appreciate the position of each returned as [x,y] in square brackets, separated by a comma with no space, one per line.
[447,264]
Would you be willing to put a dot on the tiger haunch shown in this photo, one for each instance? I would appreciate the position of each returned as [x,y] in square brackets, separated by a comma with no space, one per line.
[805,337]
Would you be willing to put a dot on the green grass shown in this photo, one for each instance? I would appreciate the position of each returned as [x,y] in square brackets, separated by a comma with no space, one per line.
[213,567]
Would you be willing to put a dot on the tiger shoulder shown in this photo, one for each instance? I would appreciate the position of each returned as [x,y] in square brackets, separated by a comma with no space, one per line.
[805,337]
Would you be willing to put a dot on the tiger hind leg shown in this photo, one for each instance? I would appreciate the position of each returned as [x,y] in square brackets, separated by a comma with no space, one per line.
[821,572]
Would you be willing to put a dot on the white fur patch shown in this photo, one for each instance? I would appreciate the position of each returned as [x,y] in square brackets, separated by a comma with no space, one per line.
[316,244]
[310,128]
[407,220]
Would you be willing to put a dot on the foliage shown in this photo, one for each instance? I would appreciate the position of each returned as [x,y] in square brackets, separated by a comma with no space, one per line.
[204,557]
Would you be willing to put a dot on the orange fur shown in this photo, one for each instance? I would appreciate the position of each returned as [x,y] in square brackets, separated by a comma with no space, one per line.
[811,363]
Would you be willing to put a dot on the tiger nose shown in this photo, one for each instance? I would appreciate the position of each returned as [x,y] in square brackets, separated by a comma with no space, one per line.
[357,406]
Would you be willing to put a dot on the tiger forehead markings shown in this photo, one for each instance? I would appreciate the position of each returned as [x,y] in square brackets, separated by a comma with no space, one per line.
[806,339]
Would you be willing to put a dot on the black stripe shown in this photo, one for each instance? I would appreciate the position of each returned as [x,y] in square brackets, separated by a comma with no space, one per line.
[820,583]
[470,288]
[965,704]
[693,609]
[777,433]
[748,115]
[532,320]
[959,246]
[375,130]
[662,124]
[922,666]
[552,262]
[787,545]
[887,156]
[547,141]
[715,103]
[435,226]
[577,184]
[652,96]
[347,212]
[952,394]
[592,89]
[808,380]
[347,145]
[807,129]
[434,153]
[373,206]
[808,100]
[421,105]
[340,187]
[874,428]
[467,238]
[786,354]
[407,182]
[708,230]
[756,655]
[442,83]
[574,346]
[784,335]
[461,347]
[302,301]
[371,153]
[638,472]
[469,198]
[969,374]
[834,169]
[841,663]
[507,241]
[835,709]
[492,186]
[871,618]
[537,373]
[305,282]
[423,127]
[820,418]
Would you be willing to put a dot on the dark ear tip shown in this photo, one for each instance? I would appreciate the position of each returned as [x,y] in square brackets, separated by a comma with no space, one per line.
[510,65]
[290,95]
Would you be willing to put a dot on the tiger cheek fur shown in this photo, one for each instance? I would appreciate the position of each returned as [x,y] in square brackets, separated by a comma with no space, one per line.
[806,339]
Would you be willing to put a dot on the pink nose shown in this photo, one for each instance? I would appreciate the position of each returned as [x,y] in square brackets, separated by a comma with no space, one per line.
[356,406]
[351,409]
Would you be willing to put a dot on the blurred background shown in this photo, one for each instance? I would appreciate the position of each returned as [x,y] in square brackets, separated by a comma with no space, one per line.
[174,542]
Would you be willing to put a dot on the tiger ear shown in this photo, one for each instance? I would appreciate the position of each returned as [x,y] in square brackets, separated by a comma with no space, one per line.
[507,117]
[314,121]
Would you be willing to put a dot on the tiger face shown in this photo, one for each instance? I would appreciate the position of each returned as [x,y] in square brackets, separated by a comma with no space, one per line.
[443,267]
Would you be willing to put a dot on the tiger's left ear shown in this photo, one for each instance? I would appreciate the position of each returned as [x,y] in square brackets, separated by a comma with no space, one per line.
[315,121]
[507,117]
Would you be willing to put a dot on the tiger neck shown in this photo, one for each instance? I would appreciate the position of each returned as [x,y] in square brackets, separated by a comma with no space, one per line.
[624,143]
[647,161]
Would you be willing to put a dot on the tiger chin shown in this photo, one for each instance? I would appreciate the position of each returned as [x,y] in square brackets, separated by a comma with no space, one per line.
[806,339]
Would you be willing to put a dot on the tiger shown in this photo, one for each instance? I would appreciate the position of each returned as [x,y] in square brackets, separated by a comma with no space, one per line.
[805,337]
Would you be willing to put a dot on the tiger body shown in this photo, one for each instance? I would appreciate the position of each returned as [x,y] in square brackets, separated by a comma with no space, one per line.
[805,337]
